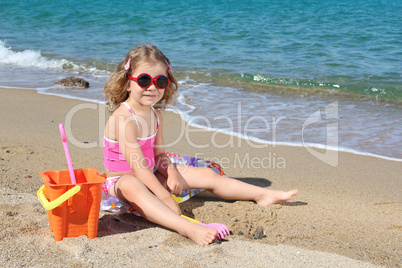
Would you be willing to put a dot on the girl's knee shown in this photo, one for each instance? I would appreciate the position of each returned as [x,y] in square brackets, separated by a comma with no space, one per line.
[128,184]
[209,171]
[210,177]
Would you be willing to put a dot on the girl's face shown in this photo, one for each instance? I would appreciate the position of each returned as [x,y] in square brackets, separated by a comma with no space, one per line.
[147,96]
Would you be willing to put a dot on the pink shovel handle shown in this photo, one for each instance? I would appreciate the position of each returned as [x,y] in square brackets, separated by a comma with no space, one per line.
[222,229]
[70,165]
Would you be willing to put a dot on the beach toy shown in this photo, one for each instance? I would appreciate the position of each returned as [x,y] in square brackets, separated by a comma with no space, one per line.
[73,209]
[222,229]
[58,201]
[72,198]
[66,151]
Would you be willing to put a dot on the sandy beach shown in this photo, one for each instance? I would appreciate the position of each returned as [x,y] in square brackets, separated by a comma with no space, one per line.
[344,216]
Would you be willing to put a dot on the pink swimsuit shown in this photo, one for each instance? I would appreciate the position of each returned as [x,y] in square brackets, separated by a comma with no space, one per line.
[114,159]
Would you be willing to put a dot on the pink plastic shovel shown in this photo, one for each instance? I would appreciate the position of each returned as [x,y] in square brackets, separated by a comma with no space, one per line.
[222,229]
[70,165]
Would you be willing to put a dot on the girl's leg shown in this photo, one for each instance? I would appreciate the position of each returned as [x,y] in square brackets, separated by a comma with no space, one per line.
[131,190]
[228,188]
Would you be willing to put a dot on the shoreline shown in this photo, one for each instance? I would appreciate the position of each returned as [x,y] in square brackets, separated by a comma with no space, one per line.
[236,134]
[352,210]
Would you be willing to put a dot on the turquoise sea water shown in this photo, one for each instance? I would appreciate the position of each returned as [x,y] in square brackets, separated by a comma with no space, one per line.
[270,58]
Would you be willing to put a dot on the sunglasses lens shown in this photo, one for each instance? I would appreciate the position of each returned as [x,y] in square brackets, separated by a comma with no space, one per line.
[162,81]
[144,80]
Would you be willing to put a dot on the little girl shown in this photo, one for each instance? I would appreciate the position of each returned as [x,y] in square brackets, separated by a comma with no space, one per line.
[138,170]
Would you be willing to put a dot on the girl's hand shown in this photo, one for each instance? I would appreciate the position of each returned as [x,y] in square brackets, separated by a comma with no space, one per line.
[175,183]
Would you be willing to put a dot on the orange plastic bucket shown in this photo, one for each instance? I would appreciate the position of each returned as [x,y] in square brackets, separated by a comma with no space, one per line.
[73,210]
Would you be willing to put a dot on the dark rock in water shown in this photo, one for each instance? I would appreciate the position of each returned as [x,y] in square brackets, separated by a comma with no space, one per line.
[73,82]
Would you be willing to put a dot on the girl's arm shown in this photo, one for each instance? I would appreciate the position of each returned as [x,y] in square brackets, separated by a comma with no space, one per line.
[130,148]
[175,181]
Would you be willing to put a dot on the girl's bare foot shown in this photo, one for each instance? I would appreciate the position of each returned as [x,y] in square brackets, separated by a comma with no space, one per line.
[275,197]
[200,235]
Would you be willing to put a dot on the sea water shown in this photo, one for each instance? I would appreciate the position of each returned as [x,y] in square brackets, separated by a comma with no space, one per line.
[300,73]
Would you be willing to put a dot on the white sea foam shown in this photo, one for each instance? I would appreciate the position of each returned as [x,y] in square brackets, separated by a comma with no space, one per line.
[182,100]
[32,58]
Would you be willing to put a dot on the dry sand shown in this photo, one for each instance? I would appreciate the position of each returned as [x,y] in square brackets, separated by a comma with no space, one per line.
[344,216]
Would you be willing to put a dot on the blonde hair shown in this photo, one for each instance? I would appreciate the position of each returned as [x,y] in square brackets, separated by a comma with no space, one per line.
[116,86]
